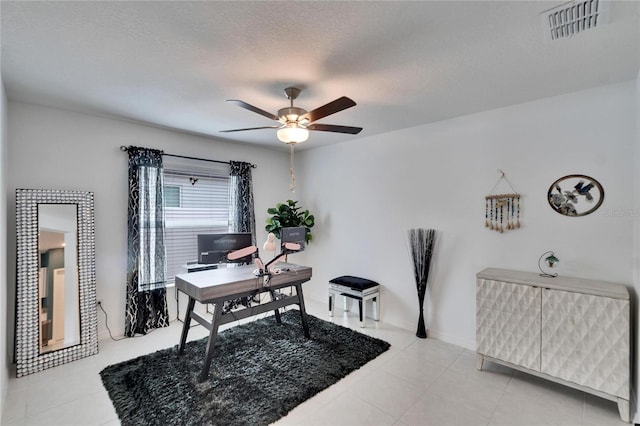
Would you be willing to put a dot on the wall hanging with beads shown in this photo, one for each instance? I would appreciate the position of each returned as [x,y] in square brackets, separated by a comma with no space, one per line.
[502,211]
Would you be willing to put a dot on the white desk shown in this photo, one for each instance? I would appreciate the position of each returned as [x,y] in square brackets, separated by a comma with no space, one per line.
[218,285]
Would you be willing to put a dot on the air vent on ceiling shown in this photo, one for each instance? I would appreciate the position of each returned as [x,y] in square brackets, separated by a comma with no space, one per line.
[574,17]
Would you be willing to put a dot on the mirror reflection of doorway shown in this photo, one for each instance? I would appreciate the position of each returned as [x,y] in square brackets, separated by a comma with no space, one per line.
[57,331]
[59,296]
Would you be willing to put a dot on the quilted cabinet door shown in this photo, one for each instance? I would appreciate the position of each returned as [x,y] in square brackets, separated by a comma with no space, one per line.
[508,322]
[585,340]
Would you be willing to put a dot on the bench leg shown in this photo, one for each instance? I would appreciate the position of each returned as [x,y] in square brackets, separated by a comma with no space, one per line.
[347,304]
[362,305]
[331,301]
[376,309]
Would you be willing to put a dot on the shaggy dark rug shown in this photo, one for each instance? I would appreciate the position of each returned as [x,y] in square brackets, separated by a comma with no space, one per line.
[260,371]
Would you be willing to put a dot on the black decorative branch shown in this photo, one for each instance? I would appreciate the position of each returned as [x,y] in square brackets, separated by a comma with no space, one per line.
[422,242]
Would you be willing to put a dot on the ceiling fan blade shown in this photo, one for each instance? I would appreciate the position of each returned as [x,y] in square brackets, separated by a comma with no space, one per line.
[257,110]
[328,109]
[249,128]
[334,128]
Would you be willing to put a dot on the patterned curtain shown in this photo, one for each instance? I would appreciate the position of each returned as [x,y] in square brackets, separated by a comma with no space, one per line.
[146,295]
[241,215]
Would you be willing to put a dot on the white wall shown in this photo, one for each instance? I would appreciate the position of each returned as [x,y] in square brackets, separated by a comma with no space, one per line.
[636,251]
[5,354]
[367,193]
[55,149]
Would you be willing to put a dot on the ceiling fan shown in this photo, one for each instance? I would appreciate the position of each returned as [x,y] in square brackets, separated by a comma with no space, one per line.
[296,122]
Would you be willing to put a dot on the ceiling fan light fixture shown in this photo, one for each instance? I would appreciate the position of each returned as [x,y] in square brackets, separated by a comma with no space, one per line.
[292,133]
[295,122]
[290,114]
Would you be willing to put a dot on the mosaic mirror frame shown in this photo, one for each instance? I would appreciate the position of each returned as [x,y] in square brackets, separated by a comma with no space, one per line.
[28,357]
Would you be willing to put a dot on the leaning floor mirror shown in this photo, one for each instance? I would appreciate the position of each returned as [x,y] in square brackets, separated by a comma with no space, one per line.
[56,317]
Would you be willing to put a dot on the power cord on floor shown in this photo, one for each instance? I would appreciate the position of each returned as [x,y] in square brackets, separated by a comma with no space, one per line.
[106,324]
[106,321]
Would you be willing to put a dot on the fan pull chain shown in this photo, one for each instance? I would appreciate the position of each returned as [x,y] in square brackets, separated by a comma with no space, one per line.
[292,184]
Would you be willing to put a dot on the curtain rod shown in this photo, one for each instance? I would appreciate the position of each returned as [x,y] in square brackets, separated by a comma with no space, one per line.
[126,148]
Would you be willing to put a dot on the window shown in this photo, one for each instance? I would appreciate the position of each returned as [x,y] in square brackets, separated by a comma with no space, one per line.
[196,202]
[171,196]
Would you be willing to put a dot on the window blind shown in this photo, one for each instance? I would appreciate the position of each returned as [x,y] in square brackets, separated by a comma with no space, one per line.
[196,202]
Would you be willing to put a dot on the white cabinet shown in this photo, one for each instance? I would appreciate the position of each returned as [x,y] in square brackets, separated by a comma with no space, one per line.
[569,330]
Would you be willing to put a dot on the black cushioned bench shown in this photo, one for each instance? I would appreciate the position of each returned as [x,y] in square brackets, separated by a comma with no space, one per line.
[360,289]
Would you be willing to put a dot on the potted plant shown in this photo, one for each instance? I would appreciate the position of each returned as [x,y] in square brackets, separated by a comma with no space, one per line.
[287,216]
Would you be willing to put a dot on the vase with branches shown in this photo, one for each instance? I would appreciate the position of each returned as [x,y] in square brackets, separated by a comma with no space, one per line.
[421,243]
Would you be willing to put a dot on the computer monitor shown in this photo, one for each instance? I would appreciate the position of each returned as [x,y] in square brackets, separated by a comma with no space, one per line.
[294,235]
[213,248]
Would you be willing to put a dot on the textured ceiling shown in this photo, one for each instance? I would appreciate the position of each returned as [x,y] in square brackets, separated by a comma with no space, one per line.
[173,64]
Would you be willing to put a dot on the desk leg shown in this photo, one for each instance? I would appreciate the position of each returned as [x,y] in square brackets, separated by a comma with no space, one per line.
[303,312]
[213,334]
[186,324]
[276,311]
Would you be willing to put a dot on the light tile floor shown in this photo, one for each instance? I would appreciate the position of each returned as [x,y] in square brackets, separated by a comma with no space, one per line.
[416,382]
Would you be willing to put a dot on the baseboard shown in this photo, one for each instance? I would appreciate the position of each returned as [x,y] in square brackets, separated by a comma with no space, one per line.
[447,338]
